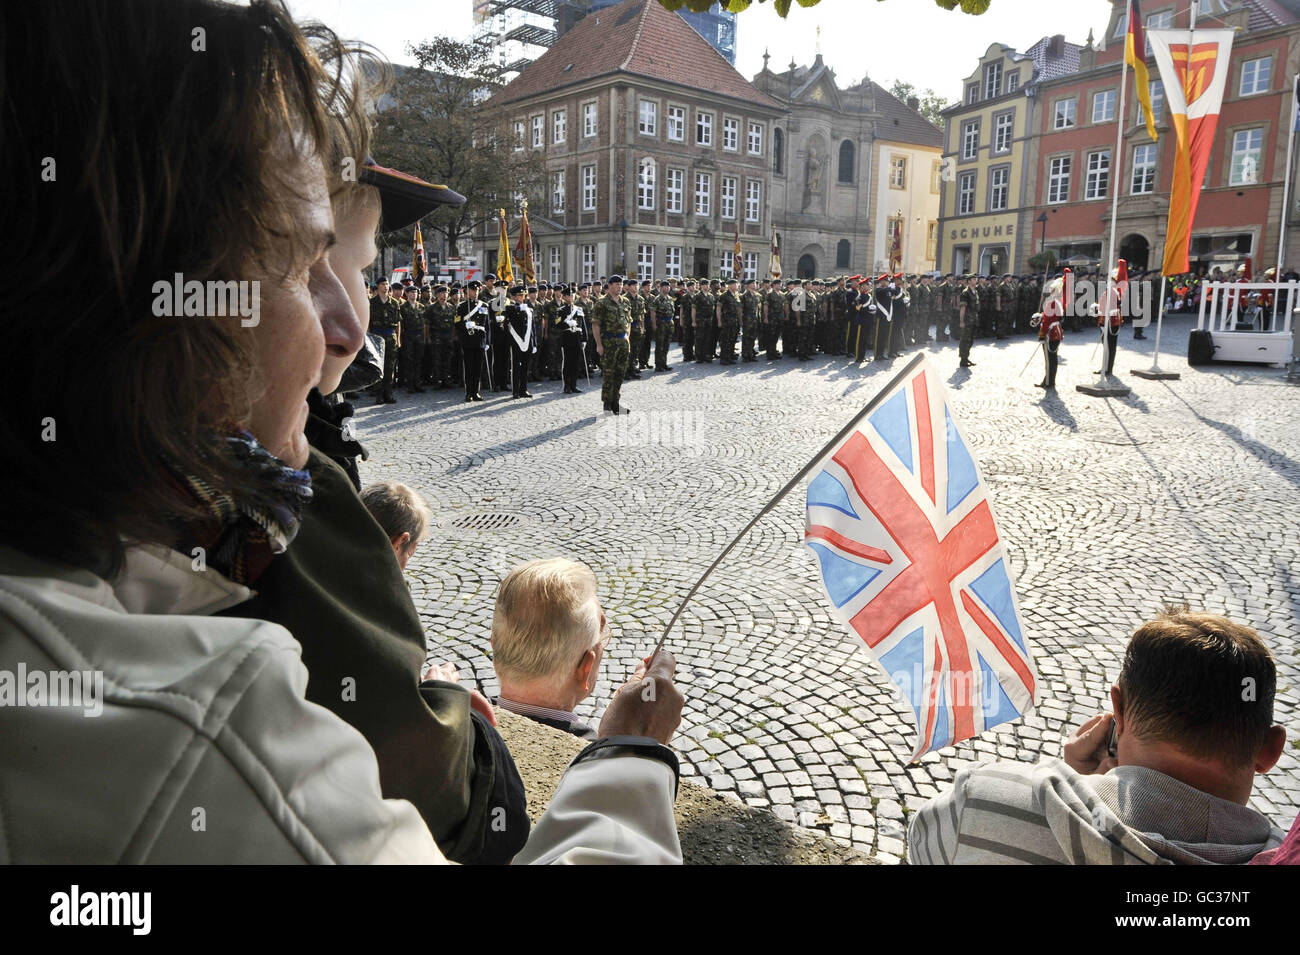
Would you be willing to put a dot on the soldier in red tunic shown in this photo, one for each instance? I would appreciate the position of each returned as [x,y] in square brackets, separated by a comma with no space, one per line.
[1050,329]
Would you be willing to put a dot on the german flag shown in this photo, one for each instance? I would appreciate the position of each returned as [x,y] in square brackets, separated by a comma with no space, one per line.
[1135,55]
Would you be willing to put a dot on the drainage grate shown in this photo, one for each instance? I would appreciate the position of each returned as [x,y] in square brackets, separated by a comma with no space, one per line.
[492,521]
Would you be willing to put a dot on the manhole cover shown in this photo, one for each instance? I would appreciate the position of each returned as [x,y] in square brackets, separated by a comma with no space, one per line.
[492,521]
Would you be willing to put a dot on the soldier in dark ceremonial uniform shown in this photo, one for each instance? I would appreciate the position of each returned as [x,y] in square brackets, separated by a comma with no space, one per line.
[520,328]
[384,322]
[471,332]
[498,337]
[571,328]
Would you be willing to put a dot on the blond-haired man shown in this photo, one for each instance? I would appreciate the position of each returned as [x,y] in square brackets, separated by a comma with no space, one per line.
[549,635]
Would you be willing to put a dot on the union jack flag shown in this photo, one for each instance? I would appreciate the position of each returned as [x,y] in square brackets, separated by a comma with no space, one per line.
[910,557]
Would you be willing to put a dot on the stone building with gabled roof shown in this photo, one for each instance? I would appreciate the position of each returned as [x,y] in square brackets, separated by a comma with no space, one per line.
[831,189]
[657,151]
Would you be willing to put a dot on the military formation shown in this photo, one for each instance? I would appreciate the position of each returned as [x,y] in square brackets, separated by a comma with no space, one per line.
[497,337]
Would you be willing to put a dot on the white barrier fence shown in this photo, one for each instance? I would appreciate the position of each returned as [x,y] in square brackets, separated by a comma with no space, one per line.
[1249,321]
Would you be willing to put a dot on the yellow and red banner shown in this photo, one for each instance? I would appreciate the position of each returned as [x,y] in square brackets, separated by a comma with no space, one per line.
[504,272]
[524,251]
[1194,68]
[738,257]
[1135,55]
[418,265]
[774,265]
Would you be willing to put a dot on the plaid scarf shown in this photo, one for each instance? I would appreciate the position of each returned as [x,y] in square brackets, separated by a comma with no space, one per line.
[241,537]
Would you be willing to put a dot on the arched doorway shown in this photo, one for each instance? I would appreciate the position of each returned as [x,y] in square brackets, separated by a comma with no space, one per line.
[1135,250]
[807,267]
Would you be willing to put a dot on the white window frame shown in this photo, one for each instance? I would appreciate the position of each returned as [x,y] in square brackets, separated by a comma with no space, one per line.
[673,261]
[750,268]
[704,194]
[1234,170]
[647,175]
[1068,119]
[970,139]
[753,200]
[647,118]
[897,172]
[1012,84]
[588,259]
[972,93]
[1096,180]
[1059,171]
[521,135]
[993,80]
[589,187]
[539,122]
[754,139]
[1106,100]
[966,193]
[728,264]
[727,192]
[999,188]
[731,134]
[645,262]
[1255,89]
[557,192]
[590,120]
[1143,170]
[703,128]
[674,189]
[1156,90]
[1004,123]
[676,124]
[555,264]
[559,127]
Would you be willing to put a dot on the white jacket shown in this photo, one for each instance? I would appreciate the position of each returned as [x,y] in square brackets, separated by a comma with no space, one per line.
[206,751]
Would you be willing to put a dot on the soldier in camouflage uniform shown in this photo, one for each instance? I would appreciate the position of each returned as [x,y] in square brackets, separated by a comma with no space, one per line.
[706,305]
[636,308]
[751,310]
[773,319]
[413,339]
[611,319]
[729,312]
[968,316]
[647,296]
[440,321]
[686,315]
[1006,308]
[662,307]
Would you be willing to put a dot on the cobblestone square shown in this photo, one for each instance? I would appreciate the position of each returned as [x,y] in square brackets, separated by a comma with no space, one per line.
[1109,508]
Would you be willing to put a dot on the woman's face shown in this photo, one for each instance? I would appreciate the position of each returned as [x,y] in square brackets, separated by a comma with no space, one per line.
[304,316]
[353,250]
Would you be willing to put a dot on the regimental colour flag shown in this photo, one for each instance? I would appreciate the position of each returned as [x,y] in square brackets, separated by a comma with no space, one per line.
[774,263]
[418,264]
[504,272]
[909,553]
[524,250]
[1194,69]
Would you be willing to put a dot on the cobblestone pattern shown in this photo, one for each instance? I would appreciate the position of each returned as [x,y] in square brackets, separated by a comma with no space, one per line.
[1184,491]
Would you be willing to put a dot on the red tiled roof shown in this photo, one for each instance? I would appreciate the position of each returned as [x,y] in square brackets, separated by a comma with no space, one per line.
[640,37]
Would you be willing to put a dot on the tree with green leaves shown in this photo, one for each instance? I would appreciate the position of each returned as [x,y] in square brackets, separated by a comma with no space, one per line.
[432,124]
[931,104]
[974,7]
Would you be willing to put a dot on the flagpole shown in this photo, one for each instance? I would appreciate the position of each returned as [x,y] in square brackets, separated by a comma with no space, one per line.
[1286,181]
[790,485]
[1117,167]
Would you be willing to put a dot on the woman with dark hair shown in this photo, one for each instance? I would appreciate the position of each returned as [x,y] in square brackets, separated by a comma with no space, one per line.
[168,163]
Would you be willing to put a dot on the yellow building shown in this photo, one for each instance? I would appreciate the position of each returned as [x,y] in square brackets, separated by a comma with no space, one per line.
[983,208]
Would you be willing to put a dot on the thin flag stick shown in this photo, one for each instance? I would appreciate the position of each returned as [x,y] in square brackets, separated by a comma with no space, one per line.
[790,485]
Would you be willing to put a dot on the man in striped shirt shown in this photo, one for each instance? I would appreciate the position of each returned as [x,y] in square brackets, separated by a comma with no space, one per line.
[1164,780]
